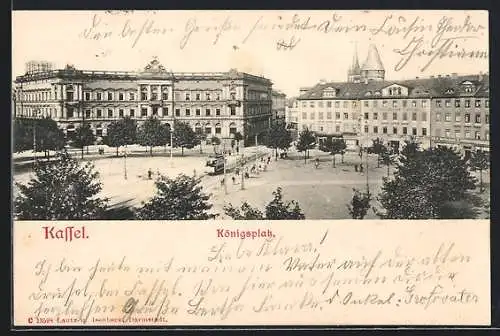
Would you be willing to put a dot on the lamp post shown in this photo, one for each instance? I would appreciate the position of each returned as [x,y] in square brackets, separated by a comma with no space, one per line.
[125,162]
[367,184]
[242,171]
[173,121]
[224,162]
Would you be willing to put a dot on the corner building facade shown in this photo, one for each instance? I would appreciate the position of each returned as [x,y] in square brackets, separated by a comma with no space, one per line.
[220,104]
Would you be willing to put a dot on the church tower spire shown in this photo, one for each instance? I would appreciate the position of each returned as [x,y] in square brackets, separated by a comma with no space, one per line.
[373,69]
[354,73]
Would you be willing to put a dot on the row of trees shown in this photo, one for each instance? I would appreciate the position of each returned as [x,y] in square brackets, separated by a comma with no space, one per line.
[427,184]
[152,133]
[434,183]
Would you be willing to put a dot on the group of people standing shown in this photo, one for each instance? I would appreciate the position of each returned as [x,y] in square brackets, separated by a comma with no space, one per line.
[255,169]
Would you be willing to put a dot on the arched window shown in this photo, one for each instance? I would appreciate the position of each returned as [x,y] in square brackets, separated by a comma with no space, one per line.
[208,129]
[218,128]
[197,127]
[232,128]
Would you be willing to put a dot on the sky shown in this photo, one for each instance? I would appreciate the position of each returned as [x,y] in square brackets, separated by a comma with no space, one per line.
[292,48]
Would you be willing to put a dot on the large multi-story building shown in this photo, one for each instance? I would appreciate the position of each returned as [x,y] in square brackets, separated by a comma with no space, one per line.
[278,106]
[220,104]
[446,110]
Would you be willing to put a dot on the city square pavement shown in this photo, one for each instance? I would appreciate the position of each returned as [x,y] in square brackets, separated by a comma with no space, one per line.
[137,187]
[322,193]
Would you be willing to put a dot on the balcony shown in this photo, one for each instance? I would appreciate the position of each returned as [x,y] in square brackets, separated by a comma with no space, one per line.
[156,102]
[234,102]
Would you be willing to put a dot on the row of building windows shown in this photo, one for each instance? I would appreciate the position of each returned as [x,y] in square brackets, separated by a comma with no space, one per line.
[396,103]
[467,117]
[345,104]
[151,96]
[467,103]
[34,96]
[329,115]
[414,116]
[144,112]
[375,116]
[414,131]
[384,130]
[467,134]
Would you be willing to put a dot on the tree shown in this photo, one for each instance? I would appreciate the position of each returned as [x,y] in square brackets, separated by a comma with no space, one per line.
[387,158]
[184,136]
[215,141]
[411,149]
[278,137]
[424,183]
[200,136]
[238,137]
[181,198]
[245,212]
[307,141]
[122,132]
[479,160]
[83,137]
[49,136]
[276,209]
[23,135]
[153,133]
[333,146]
[378,148]
[360,204]
[61,190]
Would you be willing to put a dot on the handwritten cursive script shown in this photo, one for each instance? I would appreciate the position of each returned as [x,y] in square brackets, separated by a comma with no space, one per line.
[259,280]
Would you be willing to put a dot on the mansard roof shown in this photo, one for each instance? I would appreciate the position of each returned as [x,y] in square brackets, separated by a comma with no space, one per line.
[444,86]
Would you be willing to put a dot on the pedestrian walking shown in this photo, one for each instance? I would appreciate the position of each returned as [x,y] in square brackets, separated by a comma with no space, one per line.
[234,179]
[361,168]
[356,167]
[150,174]
[316,162]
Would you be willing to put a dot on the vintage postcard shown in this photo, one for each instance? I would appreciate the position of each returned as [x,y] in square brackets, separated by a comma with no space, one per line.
[228,168]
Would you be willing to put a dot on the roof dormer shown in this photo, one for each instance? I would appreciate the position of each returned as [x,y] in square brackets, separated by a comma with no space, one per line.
[329,92]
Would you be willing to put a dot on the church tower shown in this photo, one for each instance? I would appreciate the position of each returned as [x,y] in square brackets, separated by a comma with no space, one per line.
[354,73]
[373,69]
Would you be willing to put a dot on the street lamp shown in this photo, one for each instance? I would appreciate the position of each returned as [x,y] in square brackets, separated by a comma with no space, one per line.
[173,120]
[242,171]
[125,162]
[224,158]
